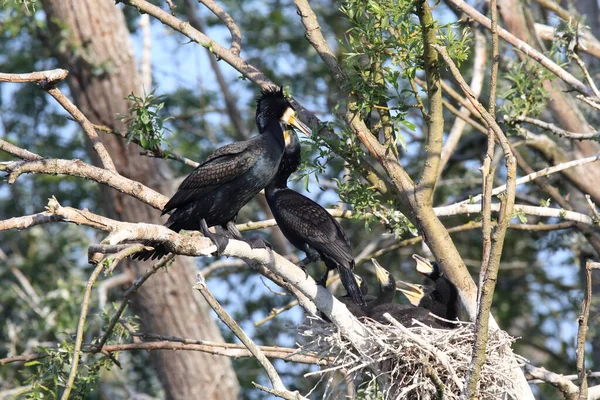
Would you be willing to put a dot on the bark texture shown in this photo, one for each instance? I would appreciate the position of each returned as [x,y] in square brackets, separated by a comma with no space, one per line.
[98,40]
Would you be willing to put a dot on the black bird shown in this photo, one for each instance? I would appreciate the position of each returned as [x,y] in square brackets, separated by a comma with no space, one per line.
[403,313]
[357,310]
[230,177]
[445,301]
[308,226]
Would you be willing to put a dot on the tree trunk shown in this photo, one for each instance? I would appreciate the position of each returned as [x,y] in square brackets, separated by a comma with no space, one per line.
[98,39]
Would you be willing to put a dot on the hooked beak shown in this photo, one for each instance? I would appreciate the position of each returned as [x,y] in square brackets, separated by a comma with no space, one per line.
[413,292]
[290,118]
[380,272]
[423,264]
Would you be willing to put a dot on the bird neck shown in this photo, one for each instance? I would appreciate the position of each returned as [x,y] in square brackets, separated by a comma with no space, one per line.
[272,130]
[386,293]
[289,164]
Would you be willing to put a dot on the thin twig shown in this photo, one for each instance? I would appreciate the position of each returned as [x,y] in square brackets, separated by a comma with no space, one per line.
[583,328]
[559,131]
[276,311]
[128,293]
[237,331]
[85,124]
[538,174]
[80,327]
[586,74]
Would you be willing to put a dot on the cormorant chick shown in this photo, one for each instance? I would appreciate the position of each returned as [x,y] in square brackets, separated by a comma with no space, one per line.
[445,303]
[403,313]
[308,226]
[230,177]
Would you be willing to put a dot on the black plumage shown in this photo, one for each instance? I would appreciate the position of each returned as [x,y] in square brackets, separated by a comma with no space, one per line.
[225,181]
[444,297]
[308,226]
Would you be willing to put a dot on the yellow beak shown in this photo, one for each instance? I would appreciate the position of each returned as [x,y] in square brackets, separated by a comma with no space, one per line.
[296,123]
[380,272]
[423,265]
[413,292]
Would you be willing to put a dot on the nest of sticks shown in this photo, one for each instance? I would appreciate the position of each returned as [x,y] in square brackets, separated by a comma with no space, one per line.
[412,363]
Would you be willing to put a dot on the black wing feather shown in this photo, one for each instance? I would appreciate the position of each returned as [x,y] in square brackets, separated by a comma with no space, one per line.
[225,164]
[315,226]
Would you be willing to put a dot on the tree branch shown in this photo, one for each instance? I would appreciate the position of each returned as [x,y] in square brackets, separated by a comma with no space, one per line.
[81,169]
[243,337]
[51,76]
[524,47]
[559,131]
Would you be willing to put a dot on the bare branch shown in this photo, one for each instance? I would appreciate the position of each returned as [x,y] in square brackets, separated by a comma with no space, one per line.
[130,292]
[80,327]
[583,328]
[234,30]
[85,124]
[224,349]
[51,76]
[244,338]
[524,47]
[538,174]
[567,387]
[81,169]
[559,131]
[27,221]
[18,152]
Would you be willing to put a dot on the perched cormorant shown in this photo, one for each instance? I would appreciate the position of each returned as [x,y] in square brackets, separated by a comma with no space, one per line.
[230,177]
[308,226]
[445,303]
[403,313]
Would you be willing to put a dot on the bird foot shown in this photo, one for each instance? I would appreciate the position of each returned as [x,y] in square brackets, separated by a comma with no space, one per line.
[256,242]
[302,266]
[221,241]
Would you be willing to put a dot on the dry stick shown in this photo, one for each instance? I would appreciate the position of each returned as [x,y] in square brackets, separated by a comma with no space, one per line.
[130,292]
[440,355]
[525,48]
[85,124]
[276,311]
[237,331]
[28,221]
[18,152]
[506,209]
[589,102]
[537,174]
[81,169]
[568,388]
[559,131]
[588,198]
[256,76]
[586,74]
[583,328]
[224,349]
[234,30]
[51,76]
[80,326]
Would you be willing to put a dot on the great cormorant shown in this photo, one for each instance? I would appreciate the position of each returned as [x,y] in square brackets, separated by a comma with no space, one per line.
[230,177]
[445,301]
[403,313]
[308,226]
